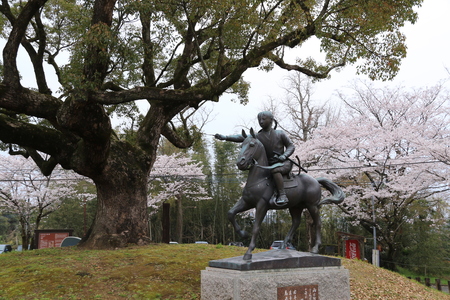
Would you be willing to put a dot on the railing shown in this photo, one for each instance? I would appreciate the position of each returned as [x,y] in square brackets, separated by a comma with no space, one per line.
[437,284]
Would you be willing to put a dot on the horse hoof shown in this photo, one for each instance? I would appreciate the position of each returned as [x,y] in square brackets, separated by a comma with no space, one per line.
[247,256]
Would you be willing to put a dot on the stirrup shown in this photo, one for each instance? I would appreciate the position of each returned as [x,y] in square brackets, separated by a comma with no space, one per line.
[282,200]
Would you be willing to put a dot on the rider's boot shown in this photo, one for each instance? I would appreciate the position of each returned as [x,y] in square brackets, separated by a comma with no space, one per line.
[282,198]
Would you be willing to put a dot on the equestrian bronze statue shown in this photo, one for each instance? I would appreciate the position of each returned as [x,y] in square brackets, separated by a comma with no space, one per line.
[263,192]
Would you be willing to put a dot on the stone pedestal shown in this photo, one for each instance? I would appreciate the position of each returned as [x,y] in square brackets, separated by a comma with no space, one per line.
[276,275]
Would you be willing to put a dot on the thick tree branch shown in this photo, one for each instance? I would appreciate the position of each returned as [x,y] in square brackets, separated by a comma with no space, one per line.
[27,135]
[24,101]
[11,73]
[46,166]
[21,152]
[96,61]
[176,139]
[5,9]
[85,119]
[189,96]
[147,66]
[183,65]
[37,58]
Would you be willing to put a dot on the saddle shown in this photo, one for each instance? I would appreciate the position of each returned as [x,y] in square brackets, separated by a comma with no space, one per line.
[289,183]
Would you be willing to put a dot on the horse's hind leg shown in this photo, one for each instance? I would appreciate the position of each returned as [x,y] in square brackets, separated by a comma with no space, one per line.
[296,215]
[315,214]
[240,206]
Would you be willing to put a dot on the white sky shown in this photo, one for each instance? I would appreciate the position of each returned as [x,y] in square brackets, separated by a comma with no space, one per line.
[428,42]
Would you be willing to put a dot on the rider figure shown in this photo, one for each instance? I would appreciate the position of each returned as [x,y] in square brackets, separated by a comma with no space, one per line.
[278,148]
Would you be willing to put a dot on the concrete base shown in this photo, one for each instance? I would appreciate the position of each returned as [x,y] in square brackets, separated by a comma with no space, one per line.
[330,283]
[307,283]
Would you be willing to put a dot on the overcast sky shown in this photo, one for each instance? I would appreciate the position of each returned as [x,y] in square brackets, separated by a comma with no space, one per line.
[428,43]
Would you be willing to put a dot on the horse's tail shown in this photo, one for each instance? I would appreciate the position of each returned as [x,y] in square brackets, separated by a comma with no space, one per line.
[337,195]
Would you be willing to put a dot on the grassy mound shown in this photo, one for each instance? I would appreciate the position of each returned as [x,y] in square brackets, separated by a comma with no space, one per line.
[158,272]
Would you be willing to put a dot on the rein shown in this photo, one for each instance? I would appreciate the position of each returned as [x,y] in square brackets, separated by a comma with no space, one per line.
[257,182]
[255,163]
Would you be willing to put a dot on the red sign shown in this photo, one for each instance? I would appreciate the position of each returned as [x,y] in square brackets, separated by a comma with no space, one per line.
[51,239]
[352,249]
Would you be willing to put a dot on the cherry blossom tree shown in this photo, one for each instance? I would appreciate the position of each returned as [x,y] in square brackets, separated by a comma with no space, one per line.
[379,150]
[25,192]
[176,177]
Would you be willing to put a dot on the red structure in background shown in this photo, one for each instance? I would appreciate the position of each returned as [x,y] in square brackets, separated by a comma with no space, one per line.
[48,238]
[352,243]
[352,249]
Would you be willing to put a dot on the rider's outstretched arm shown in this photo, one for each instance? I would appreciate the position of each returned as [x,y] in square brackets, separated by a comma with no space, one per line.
[238,138]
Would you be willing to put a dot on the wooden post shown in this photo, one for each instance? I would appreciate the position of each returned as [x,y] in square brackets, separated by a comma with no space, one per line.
[418,279]
[427,282]
[438,284]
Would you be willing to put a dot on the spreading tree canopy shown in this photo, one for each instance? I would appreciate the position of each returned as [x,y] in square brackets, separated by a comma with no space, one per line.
[174,54]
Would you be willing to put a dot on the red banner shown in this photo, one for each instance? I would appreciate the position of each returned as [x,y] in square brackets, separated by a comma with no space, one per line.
[352,249]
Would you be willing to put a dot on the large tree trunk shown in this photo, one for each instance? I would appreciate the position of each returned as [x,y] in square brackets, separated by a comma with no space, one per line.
[122,216]
[121,182]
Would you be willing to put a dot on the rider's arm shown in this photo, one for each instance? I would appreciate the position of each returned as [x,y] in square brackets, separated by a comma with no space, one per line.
[290,148]
[238,138]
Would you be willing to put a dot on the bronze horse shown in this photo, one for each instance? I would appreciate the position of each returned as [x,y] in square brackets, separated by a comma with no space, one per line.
[260,188]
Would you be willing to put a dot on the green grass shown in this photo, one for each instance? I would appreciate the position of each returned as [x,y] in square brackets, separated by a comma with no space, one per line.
[157,271]
[152,272]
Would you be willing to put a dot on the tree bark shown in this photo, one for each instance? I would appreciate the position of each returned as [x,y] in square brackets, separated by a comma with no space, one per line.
[121,216]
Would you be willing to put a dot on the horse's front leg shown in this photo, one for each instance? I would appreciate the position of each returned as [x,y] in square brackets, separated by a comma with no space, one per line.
[240,206]
[261,210]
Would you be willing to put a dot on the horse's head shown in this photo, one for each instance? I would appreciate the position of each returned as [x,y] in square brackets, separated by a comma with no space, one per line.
[250,151]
